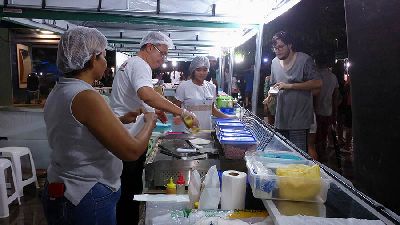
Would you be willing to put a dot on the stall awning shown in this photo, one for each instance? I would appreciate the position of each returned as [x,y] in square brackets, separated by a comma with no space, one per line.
[197,27]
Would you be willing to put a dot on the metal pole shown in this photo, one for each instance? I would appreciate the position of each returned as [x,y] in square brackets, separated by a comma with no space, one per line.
[221,69]
[231,61]
[257,66]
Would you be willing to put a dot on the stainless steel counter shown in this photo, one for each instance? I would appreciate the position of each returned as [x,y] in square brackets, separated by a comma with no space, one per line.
[343,200]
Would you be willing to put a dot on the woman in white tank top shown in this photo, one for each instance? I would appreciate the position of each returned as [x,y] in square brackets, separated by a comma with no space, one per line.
[88,141]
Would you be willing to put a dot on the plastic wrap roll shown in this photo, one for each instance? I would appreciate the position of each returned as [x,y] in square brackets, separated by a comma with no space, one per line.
[233,190]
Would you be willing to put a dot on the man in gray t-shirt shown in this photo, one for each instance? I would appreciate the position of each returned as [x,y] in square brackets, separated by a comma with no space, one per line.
[294,75]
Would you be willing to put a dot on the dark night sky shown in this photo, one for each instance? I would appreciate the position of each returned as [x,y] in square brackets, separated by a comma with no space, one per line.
[315,24]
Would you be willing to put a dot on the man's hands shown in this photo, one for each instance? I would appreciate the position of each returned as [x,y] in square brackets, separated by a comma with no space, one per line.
[267,100]
[161,116]
[130,117]
[283,86]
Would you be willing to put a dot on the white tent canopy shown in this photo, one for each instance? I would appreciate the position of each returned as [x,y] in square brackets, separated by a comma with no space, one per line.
[197,27]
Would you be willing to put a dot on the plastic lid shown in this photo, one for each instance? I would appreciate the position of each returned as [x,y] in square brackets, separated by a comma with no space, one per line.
[233,130]
[237,140]
[230,124]
[241,133]
[159,124]
[171,184]
[282,156]
[181,179]
[218,120]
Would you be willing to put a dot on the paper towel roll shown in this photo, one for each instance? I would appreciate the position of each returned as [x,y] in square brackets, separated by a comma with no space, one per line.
[233,190]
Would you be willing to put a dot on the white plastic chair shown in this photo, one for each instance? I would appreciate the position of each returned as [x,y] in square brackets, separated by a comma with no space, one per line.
[7,177]
[21,158]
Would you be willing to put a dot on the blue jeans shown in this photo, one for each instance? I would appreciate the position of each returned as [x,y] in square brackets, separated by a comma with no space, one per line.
[98,207]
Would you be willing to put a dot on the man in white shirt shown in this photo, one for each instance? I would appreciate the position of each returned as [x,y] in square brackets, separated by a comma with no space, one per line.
[132,89]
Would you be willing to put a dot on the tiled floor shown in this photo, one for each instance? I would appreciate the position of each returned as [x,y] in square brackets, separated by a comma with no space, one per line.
[30,212]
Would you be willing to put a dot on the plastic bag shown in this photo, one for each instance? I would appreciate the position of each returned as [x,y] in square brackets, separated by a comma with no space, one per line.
[211,195]
[299,182]
[194,187]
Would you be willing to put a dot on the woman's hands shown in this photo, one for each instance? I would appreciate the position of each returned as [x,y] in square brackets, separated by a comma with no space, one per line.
[150,118]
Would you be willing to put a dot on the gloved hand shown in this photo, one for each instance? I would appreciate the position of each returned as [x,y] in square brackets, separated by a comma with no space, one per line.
[189,119]
[161,116]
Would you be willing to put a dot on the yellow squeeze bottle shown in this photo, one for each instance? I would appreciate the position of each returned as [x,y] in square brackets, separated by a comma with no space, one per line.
[171,187]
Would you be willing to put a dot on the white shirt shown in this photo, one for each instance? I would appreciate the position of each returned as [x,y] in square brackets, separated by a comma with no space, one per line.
[189,90]
[133,74]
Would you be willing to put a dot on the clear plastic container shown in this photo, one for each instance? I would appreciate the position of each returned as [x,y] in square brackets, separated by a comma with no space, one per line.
[236,147]
[280,157]
[267,185]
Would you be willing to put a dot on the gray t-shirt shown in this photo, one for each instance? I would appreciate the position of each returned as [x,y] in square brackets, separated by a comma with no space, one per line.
[324,99]
[294,109]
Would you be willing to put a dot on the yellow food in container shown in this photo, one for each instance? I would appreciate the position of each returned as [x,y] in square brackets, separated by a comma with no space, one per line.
[299,182]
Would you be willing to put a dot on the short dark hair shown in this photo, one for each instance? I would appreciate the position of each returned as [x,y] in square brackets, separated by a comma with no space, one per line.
[285,37]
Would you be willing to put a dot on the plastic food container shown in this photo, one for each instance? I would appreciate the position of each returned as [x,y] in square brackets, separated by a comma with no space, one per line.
[216,120]
[236,147]
[279,157]
[236,126]
[271,185]
[229,111]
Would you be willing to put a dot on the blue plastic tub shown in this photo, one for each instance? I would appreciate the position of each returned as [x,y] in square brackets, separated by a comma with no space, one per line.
[236,147]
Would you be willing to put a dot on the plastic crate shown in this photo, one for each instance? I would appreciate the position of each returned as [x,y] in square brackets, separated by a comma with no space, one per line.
[270,186]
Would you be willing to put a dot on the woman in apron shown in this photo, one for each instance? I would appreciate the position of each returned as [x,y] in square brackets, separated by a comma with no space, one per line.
[198,95]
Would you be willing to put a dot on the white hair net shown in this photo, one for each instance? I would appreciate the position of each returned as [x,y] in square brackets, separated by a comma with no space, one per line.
[156,38]
[77,45]
[197,62]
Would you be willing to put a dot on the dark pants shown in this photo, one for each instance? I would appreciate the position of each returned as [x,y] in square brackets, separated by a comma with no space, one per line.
[323,123]
[297,137]
[131,184]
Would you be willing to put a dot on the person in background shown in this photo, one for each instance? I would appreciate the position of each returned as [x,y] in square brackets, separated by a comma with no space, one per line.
[197,94]
[326,106]
[212,73]
[269,106]
[132,89]
[348,121]
[83,178]
[248,92]
[295,76]
[235,88]
[339,70]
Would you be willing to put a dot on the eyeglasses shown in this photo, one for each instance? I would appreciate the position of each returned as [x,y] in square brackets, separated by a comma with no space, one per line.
[163,54]
[277,48]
